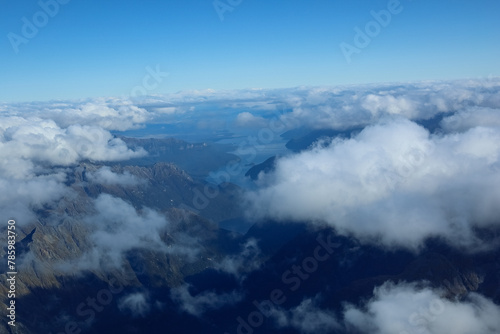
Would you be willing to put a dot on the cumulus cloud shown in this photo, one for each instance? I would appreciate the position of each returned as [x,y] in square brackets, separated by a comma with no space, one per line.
[105,175]
[108,114]
[99,113]
[135,304]
[355,106]
[393,184]
[400,105]
[204,301]
[406,308]
[43,141]
[34,152]
[470,118]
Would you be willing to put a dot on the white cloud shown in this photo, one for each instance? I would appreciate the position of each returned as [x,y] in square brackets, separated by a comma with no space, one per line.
[117,228]
[246,119]
[173,110]
[406,309]
[393,184]
[245,261]
[99,113]
[135,304]
[204,301]
[39,140]
[37,136]
[307,318]
[32,151]
[317,107]
[470,118]
[20,197]
[378,104]
[355,106]
[104,175]
[111,114]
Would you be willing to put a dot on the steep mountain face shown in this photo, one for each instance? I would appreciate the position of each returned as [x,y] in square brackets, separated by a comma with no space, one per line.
[92,300]
[353,269]
[164,185]
[347,272]
[52,253]
[83,271]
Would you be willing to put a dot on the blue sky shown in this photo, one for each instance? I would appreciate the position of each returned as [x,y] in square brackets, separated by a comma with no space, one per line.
[102,48]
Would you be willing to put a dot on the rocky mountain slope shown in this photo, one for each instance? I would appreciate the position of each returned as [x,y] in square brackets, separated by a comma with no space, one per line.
[49,250]
[81,271]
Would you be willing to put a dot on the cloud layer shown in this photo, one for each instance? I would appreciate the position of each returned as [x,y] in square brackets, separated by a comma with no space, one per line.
[470,118]
[108,114]
[393,184]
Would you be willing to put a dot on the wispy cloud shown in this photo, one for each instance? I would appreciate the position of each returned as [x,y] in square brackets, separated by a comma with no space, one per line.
[307,318]
[406,308]
[116,228]
[204,301]
[105,175]
[135,304]
[243,262]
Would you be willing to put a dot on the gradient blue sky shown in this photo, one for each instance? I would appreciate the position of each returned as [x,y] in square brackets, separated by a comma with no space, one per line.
[101,48]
